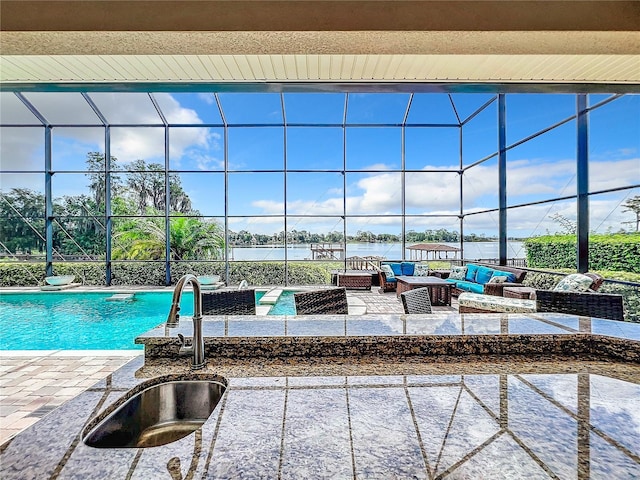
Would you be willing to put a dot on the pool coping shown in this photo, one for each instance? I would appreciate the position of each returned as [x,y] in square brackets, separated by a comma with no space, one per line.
[71,353]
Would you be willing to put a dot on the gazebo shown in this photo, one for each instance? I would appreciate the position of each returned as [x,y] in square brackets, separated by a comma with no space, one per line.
[428,251]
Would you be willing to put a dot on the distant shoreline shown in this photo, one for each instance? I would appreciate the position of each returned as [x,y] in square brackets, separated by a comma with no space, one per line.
[302,251]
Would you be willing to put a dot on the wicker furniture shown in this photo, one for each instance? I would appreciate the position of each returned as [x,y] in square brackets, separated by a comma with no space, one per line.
[354,280]
[439,289]
[440,273]
[229,302]
[518,292]
[588,304]
[400,268]
[372,273]
[496,288]
[416,300]
[330,301]
[385,285]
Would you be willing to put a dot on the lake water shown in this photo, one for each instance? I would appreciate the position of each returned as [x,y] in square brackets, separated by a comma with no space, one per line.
[392,251]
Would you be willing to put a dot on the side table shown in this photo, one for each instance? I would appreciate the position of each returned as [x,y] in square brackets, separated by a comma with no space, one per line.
[440,273]
[354,280]
[518,292]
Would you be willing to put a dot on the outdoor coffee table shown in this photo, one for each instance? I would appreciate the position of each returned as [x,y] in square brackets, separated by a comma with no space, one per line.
[439,289]
[354,280]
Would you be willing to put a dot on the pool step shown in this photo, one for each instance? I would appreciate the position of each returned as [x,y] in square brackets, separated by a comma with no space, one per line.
[356,306]
[263,309]
[120,297]
[267,301]
[271,297]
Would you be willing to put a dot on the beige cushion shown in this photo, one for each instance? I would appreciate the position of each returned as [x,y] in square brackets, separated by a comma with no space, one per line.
[492,303]
[576,282]
[497,279]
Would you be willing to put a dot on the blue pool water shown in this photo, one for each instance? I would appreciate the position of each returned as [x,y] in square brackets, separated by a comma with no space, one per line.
[87,321]
[285,304]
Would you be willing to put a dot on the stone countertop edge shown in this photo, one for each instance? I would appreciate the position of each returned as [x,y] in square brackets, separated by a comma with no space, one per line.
[53,446]
[162,342]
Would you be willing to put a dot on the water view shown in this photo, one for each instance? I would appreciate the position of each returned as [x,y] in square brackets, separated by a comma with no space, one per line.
[391,251]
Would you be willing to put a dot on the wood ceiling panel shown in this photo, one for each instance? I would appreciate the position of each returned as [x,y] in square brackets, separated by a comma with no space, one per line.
[284,68]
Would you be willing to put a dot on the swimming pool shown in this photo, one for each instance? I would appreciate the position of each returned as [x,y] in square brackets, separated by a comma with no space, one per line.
[285,304]
[88,321]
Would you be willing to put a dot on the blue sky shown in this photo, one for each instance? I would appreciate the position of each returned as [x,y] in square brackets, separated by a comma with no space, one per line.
[539,169]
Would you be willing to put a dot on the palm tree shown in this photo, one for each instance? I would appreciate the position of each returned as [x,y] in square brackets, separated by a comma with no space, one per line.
[190,238]
[195,239]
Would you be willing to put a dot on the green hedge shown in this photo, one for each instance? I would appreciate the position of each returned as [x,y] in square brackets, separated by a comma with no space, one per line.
[619,252]
[18,274]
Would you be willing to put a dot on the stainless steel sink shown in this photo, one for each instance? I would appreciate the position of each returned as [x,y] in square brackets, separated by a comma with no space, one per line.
[158,415]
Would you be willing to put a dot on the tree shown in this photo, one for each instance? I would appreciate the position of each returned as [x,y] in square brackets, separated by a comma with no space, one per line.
[96,168]
[190,238]
[569,227]
[633,205]
[79,229]
[22,220]
[146,187]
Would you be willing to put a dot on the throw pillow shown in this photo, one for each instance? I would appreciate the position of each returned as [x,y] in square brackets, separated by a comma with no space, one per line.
[408,268]
[511,277]
[497,279]
[483,274]
[576,282]
[458,273]
[396,267]
[388,272]
[472,269]
[421,270]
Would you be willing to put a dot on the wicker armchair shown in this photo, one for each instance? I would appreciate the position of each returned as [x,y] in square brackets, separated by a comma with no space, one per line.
[588,304]
[416,300]
[386,285]
[330,301]
[229,302]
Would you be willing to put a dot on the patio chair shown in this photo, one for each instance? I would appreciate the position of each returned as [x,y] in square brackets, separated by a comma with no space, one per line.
[229,302]
[416,300]
[587,304]
[329,301]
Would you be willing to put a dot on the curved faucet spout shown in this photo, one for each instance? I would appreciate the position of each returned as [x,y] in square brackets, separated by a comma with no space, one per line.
[197,344]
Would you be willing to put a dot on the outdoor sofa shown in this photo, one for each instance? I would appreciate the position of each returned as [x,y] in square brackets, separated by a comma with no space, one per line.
[390,270]
[567,297]
[486,279]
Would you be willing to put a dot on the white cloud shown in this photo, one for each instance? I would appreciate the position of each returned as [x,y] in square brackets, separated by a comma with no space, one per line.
[437,194]
[532,177]
[269,207]
[207,98]
[23,148]
[612,174]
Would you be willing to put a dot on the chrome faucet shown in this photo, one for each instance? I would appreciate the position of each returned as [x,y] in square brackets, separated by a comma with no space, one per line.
[197,344]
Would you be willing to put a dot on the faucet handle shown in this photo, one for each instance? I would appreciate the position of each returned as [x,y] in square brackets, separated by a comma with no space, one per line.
[184,349]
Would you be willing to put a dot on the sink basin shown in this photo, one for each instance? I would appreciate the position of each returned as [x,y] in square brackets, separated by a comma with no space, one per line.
[159,414]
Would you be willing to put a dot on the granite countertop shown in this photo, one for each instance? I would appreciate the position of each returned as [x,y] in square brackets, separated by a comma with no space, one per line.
[573,415]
